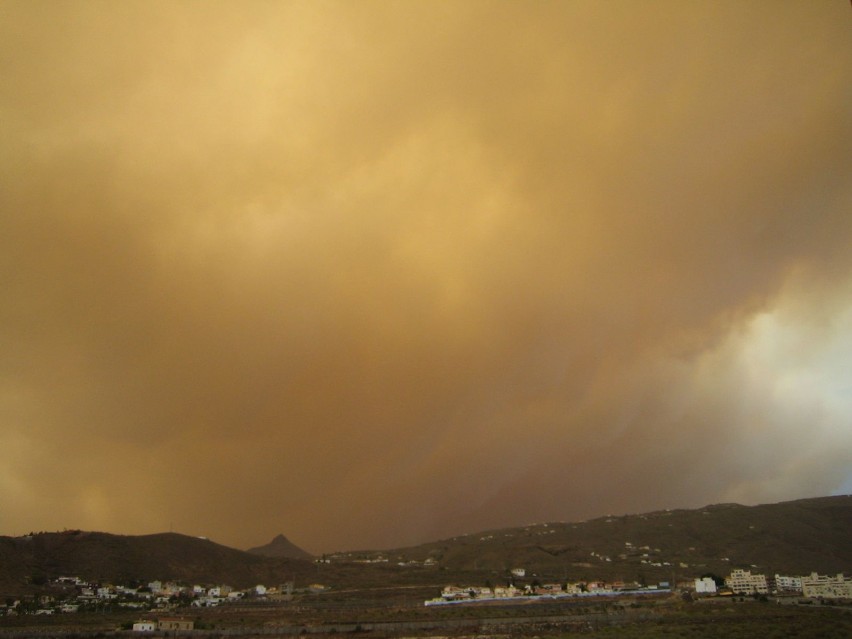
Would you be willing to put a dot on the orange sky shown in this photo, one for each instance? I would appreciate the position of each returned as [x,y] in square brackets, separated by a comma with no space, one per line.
[376,273]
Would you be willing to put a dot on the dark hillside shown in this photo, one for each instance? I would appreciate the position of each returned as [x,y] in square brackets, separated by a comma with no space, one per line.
[794,537]
[110,558]
[791,538]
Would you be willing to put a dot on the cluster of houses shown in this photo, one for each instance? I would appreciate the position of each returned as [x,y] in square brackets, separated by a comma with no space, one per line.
[373,558]
[456,594]
[72,594]
[815,586]
[739,582]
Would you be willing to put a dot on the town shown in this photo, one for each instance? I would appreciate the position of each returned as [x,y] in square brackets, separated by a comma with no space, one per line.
[74,595]
[739,582]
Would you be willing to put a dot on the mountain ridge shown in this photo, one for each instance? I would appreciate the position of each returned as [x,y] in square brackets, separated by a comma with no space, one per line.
[105,557]
[800,536]
[794,537]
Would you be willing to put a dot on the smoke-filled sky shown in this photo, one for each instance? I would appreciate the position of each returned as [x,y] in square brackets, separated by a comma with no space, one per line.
[376,273]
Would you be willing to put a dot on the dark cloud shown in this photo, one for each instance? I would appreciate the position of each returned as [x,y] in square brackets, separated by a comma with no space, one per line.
[368,274]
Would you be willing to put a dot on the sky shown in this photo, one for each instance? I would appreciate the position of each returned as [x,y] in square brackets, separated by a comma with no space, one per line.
[371,274]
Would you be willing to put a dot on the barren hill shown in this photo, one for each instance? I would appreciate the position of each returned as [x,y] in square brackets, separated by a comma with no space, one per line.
[280,547]
[794,537]
[104,557]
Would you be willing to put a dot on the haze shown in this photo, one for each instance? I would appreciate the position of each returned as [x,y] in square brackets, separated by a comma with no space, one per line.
[377,273]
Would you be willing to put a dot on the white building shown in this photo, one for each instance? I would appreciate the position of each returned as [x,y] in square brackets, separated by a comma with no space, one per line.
[175,623]
[144,626]
[219,591]
[742,582]
[454,592]
[508,591]
[787,584]
[519,572]
[705,586]
[838,587]
[598,586]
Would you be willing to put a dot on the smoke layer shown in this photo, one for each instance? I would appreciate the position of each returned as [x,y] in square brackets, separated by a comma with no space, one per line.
[375,273]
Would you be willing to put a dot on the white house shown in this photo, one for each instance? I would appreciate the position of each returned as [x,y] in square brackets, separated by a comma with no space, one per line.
[219,591]
[705,585]
[519,572]
[144,626]
[509,591]
[454,592]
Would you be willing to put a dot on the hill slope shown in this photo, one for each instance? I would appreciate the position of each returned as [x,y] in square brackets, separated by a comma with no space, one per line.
[794,537]
[104,557]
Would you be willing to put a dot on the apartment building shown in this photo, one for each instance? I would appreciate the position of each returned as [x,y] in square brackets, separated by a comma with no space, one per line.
[742,582]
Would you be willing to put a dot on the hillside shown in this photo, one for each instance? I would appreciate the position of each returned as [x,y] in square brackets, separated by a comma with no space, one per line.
[100,556]
[280,547]
[794,537]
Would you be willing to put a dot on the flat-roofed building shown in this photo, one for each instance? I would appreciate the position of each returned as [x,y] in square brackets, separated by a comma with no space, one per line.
[827,587]
[705,586]
[742,582]
[175,623]
[784,583]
